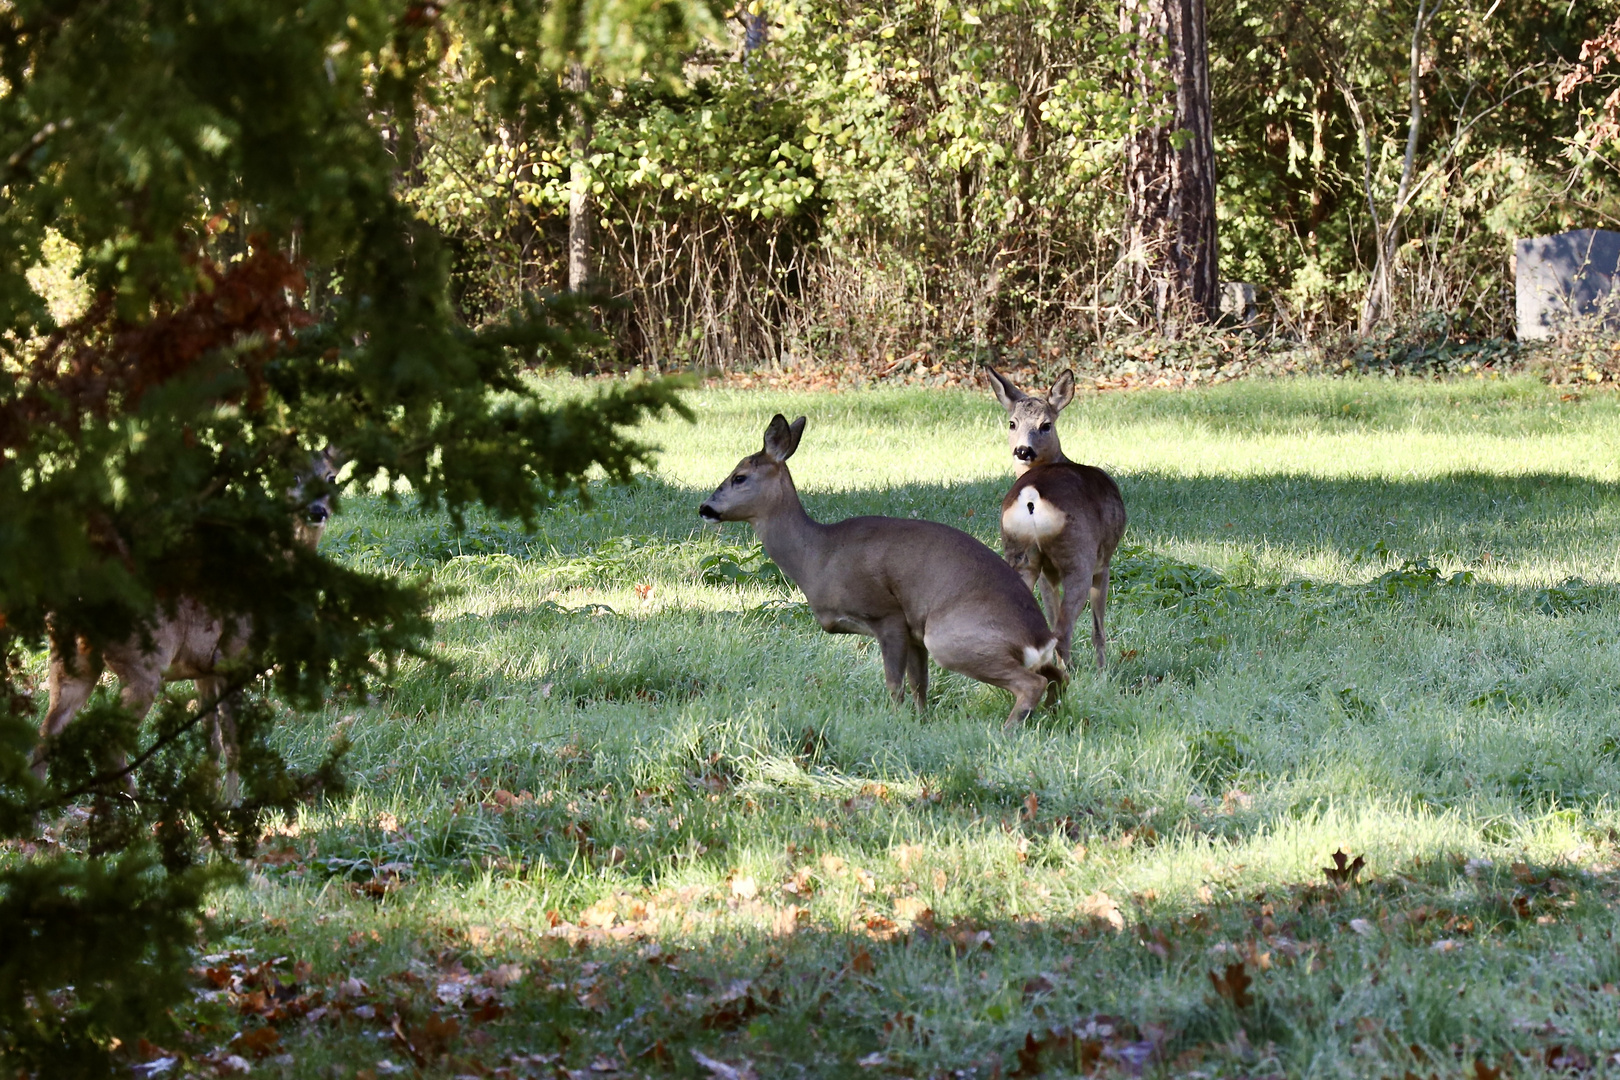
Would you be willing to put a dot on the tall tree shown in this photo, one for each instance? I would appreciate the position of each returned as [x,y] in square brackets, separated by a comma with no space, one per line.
[579,192]
[1171,257]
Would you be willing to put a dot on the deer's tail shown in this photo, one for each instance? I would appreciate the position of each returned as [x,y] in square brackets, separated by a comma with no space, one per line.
[1046,661]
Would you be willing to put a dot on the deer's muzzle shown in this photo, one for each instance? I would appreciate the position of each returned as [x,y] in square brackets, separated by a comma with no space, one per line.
[709,513]
[1024,453]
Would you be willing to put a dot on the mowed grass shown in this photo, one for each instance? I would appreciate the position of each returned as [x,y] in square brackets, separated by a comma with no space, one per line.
[1362,616]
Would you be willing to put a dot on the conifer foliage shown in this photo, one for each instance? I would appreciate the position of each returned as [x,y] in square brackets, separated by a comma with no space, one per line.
[253,291]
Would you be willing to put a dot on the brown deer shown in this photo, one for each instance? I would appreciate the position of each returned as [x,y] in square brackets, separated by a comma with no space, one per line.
[1061,522]
[187,641]
[919,587]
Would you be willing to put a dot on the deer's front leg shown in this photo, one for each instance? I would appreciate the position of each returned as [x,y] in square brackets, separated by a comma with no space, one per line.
[895,642]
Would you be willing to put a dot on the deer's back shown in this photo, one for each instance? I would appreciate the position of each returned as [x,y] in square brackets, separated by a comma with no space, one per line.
[1064,503]
[928,570]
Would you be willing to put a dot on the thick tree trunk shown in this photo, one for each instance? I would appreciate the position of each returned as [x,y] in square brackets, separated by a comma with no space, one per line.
[579,196]
[1171,258]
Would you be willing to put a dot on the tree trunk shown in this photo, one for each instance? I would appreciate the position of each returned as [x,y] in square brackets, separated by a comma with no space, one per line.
[579,195]
[1171,258]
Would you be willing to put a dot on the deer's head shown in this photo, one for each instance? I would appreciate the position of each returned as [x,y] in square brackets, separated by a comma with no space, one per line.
[760,481]
[314,495]
[1032,421]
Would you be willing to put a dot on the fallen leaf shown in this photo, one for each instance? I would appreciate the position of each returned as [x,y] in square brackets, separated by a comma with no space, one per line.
[744,888]
[786,921]
[723,1070]
[860,962]
[907,855]
[1099,905]
[1234,985]
[1344,871]
[1361,926]
[1040,984]
[911,909]
[260,1042]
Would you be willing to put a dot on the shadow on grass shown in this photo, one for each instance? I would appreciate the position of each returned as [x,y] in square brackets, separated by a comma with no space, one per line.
[1409,965]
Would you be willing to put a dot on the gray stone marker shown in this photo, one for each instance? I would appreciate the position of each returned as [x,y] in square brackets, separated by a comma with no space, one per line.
[1237,302]
[1571,275]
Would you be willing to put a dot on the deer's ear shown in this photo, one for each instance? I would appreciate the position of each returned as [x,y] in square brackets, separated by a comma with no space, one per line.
[1006,393]
[782,438]
[1062,391]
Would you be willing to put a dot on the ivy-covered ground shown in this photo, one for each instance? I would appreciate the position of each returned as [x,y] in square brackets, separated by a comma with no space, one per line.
[653,822]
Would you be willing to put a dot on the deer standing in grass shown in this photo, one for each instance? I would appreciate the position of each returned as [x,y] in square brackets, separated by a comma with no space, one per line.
[185,641]
[919,587]
[1060,522]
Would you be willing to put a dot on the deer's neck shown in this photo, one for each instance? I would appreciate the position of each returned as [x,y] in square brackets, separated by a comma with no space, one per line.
[790,538]
[1057,458]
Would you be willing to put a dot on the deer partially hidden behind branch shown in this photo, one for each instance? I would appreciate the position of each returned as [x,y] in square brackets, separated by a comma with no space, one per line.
[1060,522]
[185,641]
[919,587]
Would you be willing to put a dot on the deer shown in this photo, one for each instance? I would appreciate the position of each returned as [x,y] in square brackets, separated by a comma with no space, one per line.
[919,587]
[1061,521]
[185,641]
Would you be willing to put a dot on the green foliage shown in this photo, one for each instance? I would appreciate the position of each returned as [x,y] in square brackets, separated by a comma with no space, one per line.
[236,283]
[741,567]
[844,181]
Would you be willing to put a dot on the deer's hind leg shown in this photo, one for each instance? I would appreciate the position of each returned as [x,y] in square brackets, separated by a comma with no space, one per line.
[222,739]
[917,674]
[1074,598]
[70,687]
[989,659]
[1099,606]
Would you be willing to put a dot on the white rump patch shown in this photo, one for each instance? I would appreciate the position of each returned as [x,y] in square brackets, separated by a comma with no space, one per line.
[1031,518]
[1037,658]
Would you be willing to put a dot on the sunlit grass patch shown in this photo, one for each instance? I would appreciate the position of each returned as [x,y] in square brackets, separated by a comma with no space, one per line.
[1358,616]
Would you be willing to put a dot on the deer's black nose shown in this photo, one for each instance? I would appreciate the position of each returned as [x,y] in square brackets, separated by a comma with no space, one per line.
[708,513]
[1024,453]
[318,514]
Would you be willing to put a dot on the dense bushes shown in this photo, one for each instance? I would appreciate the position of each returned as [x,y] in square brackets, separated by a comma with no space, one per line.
[856,182]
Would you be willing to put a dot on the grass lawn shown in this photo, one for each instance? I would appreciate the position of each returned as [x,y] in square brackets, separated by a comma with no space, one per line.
[655,822]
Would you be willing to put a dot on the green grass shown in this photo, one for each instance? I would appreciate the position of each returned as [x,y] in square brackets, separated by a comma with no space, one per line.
[1345,619]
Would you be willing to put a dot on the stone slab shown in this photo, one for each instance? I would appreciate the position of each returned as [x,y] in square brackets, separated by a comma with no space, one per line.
[1570,275]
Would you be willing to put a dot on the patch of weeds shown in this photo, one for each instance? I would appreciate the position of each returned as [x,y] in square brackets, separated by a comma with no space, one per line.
[613,559]
[1218,756]
[741,566]
[424,545]
[1570,596]
[1156,581]
[783,612]
[1354,705]
[1502,696]
[615,679]
[1415,577]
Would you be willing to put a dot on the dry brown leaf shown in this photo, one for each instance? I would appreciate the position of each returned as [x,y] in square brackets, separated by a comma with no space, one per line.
[1099,905]
[1234,985]
[908,855]
[1344,871]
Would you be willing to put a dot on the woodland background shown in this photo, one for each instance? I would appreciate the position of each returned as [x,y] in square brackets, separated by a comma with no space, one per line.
[893,186]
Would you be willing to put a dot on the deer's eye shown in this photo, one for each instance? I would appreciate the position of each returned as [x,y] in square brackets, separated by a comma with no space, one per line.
[1046,427]
[1012,425]
[739,478]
